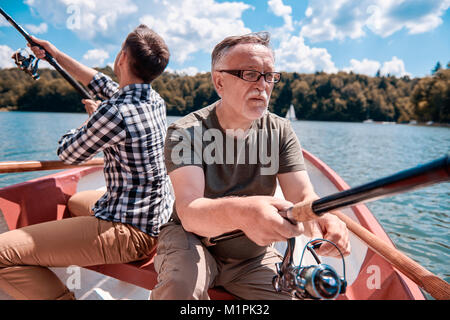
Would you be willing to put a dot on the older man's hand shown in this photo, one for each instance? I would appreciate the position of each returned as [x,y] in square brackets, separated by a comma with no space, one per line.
[331,228]
[261,222]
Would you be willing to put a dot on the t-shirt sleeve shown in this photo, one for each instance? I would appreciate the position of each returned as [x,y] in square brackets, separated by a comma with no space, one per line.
[182,148]
[291,156]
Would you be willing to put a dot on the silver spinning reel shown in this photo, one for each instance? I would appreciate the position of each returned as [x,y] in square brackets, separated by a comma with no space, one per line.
[319,281]
[26,62]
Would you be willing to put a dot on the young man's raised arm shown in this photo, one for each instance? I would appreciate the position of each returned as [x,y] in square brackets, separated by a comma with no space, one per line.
[76,69]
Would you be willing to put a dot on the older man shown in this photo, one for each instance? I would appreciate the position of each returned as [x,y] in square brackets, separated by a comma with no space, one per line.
[224,178]
[119,225]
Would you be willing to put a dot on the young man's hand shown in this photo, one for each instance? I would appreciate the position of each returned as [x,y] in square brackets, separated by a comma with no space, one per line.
[40,53]
[90,105]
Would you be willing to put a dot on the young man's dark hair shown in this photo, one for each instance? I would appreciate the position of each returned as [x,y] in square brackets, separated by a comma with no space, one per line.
[149,53]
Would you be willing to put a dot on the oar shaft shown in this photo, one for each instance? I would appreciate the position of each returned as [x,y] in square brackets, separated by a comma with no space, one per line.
[26,166]
[82,91]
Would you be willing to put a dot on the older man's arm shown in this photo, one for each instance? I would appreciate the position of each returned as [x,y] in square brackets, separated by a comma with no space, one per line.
[256,216]
[297,188]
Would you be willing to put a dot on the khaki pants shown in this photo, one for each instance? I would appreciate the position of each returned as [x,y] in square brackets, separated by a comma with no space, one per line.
[84,240]
[186,270]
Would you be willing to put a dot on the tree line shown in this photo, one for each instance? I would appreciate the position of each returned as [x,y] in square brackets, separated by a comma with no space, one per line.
[320,96]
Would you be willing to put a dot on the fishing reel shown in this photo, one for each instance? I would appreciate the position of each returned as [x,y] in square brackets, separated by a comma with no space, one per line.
[319,281]
[26,62]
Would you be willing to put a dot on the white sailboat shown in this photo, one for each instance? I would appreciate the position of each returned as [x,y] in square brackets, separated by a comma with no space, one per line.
[291,113]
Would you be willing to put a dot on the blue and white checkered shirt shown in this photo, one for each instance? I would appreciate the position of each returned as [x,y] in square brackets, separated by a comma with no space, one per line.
[130,128]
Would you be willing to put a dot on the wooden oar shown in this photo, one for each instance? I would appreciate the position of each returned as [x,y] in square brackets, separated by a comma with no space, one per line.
[407,180]
[26,166]
[433,172]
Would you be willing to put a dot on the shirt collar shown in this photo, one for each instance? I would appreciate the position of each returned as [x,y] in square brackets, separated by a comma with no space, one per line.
[134,87]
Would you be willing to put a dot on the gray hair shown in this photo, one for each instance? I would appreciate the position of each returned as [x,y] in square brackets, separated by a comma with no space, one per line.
[226,44]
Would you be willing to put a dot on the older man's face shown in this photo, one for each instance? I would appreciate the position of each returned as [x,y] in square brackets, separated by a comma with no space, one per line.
[247,99]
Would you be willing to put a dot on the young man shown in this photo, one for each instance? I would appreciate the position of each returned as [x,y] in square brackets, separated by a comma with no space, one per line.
[129,128]
[224,180]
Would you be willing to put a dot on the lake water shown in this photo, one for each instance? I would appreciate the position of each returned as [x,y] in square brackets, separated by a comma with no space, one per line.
[417,222]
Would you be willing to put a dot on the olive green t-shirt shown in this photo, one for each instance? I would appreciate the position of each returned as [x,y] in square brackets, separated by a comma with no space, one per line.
[245,166]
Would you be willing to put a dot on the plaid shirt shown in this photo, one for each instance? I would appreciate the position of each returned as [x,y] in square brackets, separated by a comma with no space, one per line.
[129,128]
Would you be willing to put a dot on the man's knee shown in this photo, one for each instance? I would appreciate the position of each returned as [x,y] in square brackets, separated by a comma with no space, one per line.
[9,253]
[81,203]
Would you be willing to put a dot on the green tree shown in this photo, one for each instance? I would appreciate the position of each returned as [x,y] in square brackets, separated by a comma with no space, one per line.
[318,96]
[437,67]
[284,99]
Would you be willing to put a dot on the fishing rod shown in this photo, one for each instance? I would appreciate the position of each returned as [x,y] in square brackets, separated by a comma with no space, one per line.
[290,276]
[29,63]
[420,176]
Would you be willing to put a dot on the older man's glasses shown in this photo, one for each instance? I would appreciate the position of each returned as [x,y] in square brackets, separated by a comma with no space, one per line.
[254,76]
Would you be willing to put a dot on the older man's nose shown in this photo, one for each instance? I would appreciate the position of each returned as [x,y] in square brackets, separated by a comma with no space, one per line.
[261,83]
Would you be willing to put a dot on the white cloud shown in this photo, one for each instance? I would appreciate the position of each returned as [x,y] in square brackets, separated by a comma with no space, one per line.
[188,29]
[188,26]
[366,66]
[5,57]
[329,20]
[190,71]
[340,19]
[294,56]
[281,10]
[417,16]
[395,67]
[308,12]
[86,18]
[33,29]
[95,57]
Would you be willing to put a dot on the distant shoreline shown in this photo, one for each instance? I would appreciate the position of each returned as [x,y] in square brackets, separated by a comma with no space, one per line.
[419,124]
[6,109]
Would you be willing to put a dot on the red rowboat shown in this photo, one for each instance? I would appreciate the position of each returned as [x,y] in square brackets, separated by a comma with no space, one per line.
[369,276]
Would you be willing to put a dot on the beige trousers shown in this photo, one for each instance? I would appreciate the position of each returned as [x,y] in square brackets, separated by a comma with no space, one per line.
[186,270]
[83,240]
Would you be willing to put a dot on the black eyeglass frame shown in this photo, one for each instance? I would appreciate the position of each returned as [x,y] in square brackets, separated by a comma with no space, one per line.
[240,74]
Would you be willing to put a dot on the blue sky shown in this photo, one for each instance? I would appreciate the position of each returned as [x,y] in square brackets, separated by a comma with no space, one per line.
[399,37]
